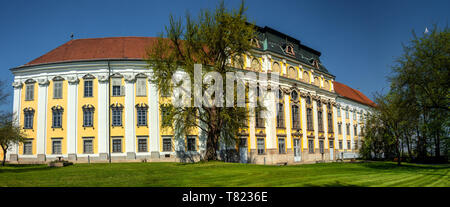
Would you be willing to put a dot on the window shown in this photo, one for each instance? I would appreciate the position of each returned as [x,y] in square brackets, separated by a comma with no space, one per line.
[346,114]
[295,117]
[331,144]
[261,146]
[191,143]
[294,95]
[28,148]
[242,142]
[164,116]
[354,115]
[57,117]
[88,117]
[280,115]
[340,144]
[320,120]
[57,89]
[259,119]
[281,146]
[88,88]
[141,115]
[167,144]
[356,144]
[321,147]
[348,145]
[347,129]
[309,119]
[116,116]
[338,112]
[308,100]
[117,145]
[142,144]
[88,146]
[117,88]
[355,131]
[28,119]
[311,145]
[330,122]
[56,146]
[340,128]
[29,93]
[141,87]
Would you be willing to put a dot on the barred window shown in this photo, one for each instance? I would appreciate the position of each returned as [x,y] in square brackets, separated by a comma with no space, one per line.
[295,117]
[320,120]
[57,118]
[309,119]
[28,119]
[117,145]
[88,88]
[27,147]
[56,146]
[57,89]
[167,144]
[281,146]
[280,115]
[261,146]
[116,116]
[141,116]
[321,147]
[191,145]
[330,122]
[29,92]
[142,144]
[311,145]
[88,146]
[88,117]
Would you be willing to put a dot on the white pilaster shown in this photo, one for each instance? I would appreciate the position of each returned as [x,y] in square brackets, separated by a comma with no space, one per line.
[42,116]
[130,137]
[153,108]
[16,113]
[72,114]
[316,126]
[287,121]
[103,110]
[303,106]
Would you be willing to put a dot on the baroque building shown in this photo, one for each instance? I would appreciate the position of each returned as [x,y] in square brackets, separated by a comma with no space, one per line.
[68,106]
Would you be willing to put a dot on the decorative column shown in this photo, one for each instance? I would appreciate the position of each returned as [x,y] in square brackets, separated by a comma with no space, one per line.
[72,117]
[130,125]
[103,116]
[42,119]
[13,152]
[153,109]
[304,126]
[316,124]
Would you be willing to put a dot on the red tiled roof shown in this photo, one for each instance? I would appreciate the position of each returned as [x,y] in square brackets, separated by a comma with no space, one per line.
[352,94]
[97,48]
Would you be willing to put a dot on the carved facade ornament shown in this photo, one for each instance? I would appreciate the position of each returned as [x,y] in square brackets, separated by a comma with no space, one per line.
[116,105]
[103,78]
[73,79]
[57,78]
[17,84]
[129,77]
[141,105]
[57,108]
[88,76]
[28,109]
[88,106]
[43,81]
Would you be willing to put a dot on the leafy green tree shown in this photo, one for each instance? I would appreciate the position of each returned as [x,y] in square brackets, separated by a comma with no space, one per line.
[211,40]
[10,134]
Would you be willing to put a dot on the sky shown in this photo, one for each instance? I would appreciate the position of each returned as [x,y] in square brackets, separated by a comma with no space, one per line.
[359,40]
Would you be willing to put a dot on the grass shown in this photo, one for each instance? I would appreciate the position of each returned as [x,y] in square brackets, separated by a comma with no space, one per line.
[219,174]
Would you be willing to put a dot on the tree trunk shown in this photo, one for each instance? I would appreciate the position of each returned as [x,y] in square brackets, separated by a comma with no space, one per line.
[4,158]
[438,146]
[211,145]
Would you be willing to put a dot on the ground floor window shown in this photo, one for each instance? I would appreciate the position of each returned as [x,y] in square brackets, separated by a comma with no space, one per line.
[242,142]
[311,145]
[321,147]
[142,144]
[117,145]
[191,143]
[167,144]
[331,144]
[56,146]
[281,146]
[88,144]
[261,146]
[349,145]
[28,148]
[340,144]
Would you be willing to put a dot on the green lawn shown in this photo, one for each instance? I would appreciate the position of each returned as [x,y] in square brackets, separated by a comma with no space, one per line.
[226,174]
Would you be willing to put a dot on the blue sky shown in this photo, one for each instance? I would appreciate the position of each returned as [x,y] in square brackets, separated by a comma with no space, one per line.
[359,40]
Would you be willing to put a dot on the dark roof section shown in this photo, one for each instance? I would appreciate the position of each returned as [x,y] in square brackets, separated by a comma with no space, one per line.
[276,42]
[352,94]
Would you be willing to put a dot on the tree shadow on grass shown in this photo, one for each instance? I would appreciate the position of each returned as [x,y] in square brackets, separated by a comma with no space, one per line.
[21,168]
[405,166]
[335,184]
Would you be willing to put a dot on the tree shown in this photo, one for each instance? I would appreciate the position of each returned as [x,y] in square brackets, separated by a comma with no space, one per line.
[10,134]
[211,40]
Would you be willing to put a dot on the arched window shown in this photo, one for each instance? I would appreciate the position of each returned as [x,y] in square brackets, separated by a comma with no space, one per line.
[57,112]
[295,117]
[276,67]
[292,73]
[280,115]
[309,119]
[294,95]
[306,77]
[256,66]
